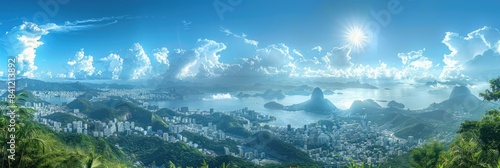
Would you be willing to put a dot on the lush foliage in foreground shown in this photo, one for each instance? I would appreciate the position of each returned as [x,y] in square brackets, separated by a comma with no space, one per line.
[38,146]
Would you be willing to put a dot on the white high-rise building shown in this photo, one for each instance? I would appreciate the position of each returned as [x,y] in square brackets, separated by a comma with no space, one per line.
[120,126]
[165,136]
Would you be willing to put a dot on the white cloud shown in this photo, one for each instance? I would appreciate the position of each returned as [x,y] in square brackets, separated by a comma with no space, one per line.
[422,63]
[161,55]
[22,42]
[415,66]
[415,60]
[498,47]
[200,62]
[317,48]
[81,66]
[48,74]
[242,36]
[115,65]
[136,64]
[338,58]
[179,51]
[276,55]
[162,64]
[309,63]
[274,60]
[1,73]
[81,24]
[62,75]
[464,49]
[207,63]
[297,52]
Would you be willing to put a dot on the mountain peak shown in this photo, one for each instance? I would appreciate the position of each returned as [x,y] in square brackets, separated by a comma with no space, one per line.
[460,91]
[317,95]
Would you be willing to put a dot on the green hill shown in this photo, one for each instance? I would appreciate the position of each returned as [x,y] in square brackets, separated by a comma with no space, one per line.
[39,146]
[164,112]
[216,146]
[224,122]
[64,118]
[154,149]
[84,105]
[118,108]
[282,151]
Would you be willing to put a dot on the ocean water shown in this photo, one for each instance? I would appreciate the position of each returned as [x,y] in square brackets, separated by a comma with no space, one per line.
[412,97]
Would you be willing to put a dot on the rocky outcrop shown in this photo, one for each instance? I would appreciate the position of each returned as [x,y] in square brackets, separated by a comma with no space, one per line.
[317,104]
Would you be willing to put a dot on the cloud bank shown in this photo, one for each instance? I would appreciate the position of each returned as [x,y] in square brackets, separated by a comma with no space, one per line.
[472,55]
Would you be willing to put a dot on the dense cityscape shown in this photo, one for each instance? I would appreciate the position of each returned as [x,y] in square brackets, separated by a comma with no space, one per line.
[333,143]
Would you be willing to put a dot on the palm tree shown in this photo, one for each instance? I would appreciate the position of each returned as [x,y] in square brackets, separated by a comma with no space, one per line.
[204,164]
[24,131]
[92,161]
[225,166]
[27,133]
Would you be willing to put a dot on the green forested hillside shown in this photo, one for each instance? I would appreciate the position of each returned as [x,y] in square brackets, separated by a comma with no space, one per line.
[38,146]
[477,143]
[118,108]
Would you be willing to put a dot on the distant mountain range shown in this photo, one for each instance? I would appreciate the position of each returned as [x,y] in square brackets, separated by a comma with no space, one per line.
[38,85]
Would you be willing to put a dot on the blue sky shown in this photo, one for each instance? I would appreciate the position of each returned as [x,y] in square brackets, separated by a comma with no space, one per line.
[186,40]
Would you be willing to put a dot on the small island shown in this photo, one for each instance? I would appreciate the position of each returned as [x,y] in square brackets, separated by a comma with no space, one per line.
[273,106]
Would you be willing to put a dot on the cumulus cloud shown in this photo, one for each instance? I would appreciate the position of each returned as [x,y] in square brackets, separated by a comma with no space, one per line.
[415,66]
[162,64]
[338,58]
[415,60]
[136,63]
[199,62]
[114,66]
[273,60]
[81,65]
[242,36]
[464,49]
[161,55]
[22,42]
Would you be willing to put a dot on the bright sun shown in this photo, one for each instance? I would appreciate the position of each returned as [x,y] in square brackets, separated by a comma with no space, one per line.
[356,37]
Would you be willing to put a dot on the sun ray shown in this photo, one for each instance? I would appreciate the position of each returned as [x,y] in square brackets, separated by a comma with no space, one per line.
[356,37]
